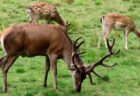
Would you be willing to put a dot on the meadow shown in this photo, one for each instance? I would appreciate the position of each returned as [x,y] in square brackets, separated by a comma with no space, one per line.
[25,77]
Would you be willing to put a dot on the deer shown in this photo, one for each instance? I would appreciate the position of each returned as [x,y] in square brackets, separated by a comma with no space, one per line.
[117,21]
[38,10]
[52,42]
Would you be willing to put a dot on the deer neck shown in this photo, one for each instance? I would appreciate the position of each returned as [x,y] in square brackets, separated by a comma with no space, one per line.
[68,60]
[59,19]
[137,32]
[67,52]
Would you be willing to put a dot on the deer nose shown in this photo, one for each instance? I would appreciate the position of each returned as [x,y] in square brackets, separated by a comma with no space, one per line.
[78,89]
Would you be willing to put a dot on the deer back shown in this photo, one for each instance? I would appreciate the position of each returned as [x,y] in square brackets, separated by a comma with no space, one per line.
[35,39]
[119,21]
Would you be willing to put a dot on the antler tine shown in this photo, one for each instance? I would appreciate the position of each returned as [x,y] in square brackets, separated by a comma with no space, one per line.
[68,23]
[105,65]
[97,74]
[117,52]
[75,42]
[76,52]
[90,78]
[74,62]
[77,47]
[113,43]
[81,53]
[89,74]
[100,62]
[110,46]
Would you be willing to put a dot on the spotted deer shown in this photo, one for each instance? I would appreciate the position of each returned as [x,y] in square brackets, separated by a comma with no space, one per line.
[38,10]
[117,21]
[39,40]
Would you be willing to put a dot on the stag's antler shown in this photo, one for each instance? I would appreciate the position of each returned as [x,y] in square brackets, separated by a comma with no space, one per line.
[67,25]
[100,62]
[76,47]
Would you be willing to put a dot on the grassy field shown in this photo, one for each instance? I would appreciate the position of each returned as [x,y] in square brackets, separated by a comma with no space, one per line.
[26,76]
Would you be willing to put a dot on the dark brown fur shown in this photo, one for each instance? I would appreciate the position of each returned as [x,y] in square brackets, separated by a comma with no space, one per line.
[34,40]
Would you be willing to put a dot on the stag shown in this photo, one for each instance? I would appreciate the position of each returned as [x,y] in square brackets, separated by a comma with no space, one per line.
[118,21]
[50,41]
[43,10]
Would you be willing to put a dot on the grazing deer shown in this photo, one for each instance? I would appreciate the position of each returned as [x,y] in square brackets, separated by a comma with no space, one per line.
[117,21]
[39,40]
[47,11]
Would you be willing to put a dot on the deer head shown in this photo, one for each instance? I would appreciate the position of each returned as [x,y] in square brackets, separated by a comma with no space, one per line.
[82,71]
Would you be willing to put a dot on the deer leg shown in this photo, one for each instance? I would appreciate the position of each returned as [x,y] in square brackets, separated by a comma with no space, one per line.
[30,19]
[100,37]
[102,34]
[139,41]
[138,36]
[53,63]
[3,60]
[105,39]
[106,36]
[47,68]
[126,40]
[48,19]
[5,68]
[30,15]
[35,18]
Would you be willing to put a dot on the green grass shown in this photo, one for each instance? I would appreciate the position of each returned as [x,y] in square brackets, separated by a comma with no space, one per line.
[25,78]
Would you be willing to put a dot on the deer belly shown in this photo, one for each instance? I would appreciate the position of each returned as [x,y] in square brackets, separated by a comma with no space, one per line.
[31,51]
[119,26]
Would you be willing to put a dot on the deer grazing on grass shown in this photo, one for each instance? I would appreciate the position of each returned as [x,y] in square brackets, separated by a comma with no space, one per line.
[50,41]
[117,21]
[47,11]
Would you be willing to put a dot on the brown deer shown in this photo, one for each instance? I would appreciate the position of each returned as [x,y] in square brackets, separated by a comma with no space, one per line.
[44,10]
[50,41]
[117,21]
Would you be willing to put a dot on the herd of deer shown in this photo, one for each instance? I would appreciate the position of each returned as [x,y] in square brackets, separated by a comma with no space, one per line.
[53,42]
